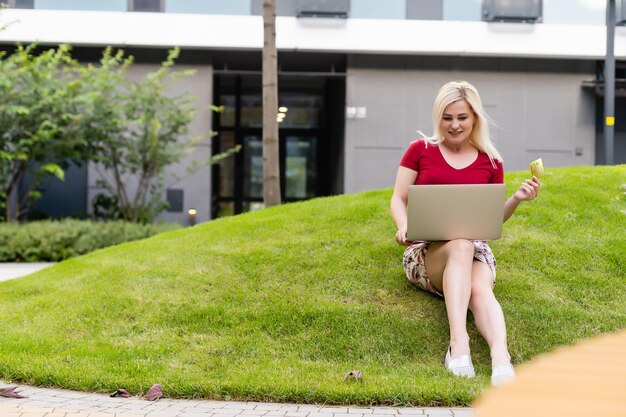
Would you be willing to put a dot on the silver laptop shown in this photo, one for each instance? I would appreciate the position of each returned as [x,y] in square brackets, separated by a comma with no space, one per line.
[459,211]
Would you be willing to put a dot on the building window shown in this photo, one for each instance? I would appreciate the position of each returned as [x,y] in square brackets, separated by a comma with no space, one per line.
[424,9]
[232,7]
[19,4]
[145,6]
[376,9]
[82,5]
[283,8]
[306,8]
[175,198]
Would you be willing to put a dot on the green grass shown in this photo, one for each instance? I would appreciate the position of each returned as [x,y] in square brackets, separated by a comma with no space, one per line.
[279,304]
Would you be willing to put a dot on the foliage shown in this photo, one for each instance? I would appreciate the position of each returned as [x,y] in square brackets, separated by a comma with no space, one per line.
[54,110]
[53,241]
[139,130]
[40,114]
[278,304]
[106,207]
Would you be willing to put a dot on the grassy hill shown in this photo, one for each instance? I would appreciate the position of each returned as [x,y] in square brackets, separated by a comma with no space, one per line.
[279,304]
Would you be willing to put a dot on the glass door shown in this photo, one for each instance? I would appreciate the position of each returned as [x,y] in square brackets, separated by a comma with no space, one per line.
[238,180]
[299,167]
[252,172]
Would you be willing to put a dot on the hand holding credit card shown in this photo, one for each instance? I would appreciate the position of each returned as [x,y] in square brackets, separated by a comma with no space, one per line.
[536,168]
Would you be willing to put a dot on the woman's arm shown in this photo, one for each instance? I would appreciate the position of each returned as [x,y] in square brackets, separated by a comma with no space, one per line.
[529,190]
[404,178]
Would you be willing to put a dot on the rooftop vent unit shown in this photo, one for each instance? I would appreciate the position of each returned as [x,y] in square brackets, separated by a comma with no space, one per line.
[323,8]
[620,12]
[524,11]
[145,6]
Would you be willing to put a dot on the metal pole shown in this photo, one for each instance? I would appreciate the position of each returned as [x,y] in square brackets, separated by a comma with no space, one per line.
[609,84]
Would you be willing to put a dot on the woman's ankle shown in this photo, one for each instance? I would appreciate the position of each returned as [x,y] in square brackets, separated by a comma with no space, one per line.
[500,357]
[459,348]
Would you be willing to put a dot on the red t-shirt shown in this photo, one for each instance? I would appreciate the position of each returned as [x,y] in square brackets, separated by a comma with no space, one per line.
[432,168]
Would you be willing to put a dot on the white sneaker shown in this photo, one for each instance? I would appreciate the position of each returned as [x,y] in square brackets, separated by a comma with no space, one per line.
[502,374]
[461,366]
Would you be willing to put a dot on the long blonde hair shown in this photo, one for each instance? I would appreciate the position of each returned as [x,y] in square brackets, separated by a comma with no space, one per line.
[462,90]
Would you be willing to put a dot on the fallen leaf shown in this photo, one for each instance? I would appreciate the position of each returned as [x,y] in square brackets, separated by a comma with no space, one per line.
[354,374]
[154,393]
[10,392]
[121,393]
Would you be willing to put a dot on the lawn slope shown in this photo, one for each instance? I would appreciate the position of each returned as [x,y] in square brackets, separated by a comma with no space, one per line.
[279,304]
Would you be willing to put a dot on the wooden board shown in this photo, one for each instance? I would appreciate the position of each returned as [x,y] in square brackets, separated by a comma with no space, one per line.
[584,380]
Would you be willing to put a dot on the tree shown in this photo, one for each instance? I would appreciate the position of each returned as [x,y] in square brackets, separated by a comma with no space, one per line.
[55,110]
[40,114]
[137,131]
[271,164]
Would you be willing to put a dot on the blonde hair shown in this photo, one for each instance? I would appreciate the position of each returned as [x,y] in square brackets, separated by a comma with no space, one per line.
[462,90]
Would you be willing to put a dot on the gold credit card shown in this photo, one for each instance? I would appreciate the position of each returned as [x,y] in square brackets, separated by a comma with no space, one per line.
[536,168]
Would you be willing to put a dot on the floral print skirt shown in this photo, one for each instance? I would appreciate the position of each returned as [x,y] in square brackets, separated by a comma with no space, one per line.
[415,266]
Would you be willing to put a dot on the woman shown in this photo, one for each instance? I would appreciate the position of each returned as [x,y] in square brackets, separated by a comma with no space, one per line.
[460,152]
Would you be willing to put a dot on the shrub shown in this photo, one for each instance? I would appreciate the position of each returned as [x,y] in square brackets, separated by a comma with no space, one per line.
[53,241]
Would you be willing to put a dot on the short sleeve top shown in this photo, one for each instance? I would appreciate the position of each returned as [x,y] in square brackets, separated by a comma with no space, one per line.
[432,168]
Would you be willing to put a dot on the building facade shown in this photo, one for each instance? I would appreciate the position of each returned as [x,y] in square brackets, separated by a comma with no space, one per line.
[357,79]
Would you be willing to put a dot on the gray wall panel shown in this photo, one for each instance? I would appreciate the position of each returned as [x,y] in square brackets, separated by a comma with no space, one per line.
[197,186]
[538,114]
[380,160]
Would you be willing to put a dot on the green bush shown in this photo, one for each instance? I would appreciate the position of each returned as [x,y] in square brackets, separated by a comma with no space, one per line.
[53,241]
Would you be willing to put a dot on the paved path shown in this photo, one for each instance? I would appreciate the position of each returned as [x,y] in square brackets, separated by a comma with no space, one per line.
[9,270]
[44,402]
[60,403]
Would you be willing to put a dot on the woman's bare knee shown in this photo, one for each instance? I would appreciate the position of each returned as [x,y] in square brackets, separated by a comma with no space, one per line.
[444,255]
[461,249]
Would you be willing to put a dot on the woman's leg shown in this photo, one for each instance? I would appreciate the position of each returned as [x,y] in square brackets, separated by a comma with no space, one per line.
[449,268]
[488,315]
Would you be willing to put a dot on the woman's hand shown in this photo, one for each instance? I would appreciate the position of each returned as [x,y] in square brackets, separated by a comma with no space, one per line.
[401,237]
[404,179]
[529,190]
